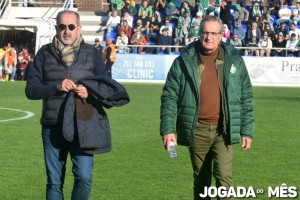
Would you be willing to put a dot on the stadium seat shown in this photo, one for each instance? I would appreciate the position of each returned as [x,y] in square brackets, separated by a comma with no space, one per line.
[173,25]
[232,7]
[274,18]
[248,8]
[112,35]
[244,26]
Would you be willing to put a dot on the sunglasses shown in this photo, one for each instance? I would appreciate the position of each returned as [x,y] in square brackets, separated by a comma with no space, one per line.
[71,27]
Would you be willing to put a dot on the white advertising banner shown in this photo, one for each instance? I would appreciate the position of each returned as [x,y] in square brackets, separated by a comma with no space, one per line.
[263,71]
[274,71]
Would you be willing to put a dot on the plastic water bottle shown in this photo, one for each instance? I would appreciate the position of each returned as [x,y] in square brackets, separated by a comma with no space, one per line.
[172,150]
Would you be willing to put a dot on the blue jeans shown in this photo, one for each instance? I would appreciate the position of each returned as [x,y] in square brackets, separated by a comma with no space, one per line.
[56,150]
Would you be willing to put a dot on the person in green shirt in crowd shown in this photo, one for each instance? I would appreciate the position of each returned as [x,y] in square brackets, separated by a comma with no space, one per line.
[145,6]
[116,5]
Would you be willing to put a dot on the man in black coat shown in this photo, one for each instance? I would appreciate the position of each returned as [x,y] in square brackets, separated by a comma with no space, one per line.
[53,76]
[164,39]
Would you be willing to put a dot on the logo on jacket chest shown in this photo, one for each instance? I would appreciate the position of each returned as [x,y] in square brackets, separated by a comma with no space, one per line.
[233,69]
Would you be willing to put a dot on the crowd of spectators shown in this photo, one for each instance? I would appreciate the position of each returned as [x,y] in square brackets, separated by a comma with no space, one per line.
[256,29]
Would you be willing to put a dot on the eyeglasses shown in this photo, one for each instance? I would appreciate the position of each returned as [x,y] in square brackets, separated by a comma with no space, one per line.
[71,27]
[206,33]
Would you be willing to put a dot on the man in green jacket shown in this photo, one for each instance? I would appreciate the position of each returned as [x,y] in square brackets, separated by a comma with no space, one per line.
[208,95]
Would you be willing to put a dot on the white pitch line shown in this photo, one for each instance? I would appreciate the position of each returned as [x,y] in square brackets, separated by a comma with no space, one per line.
[28,115]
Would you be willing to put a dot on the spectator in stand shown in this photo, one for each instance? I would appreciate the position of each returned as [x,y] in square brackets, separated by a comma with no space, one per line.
[240,32]
[225,15]
[265,44]
[129,7]
[284,15]
[160,6]
[145,7]
[241,14]
[257,2]
[198,17]
[168,27]
[254,32]
[258,21]
[155,23]
[271,33]
[117,6]
[112,23]
[126,28]
[296,14]
[146,23]
[280,42]
[24,62]
[256,10]
[253,47]
[273,7]
[139,26]
[225,34]
[10,63]
[268,20]
[293,46]
[185,8]
[172,12]
[98,46]
[182,30]
[138,39]
[166,40]
[199,7]
[122,42]
[110,56]
[283,30]
[294,29]
[235,41]
[195,30]
[128,18]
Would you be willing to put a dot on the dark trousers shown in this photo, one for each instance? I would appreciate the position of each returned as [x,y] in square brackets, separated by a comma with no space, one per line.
[109,65]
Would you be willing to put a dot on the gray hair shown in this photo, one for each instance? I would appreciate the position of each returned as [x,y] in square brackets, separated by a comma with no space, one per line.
[210,18]
[59,15]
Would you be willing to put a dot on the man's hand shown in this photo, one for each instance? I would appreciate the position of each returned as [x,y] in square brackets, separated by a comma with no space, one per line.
[246,143]
[81,91]
[67,85]
[168,138]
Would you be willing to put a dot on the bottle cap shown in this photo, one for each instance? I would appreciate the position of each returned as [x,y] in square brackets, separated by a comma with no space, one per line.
[171,143]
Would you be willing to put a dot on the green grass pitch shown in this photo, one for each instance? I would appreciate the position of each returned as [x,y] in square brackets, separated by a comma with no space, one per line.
[138,168]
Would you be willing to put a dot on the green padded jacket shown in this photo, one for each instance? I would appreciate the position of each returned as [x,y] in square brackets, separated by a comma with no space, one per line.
[180,97]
